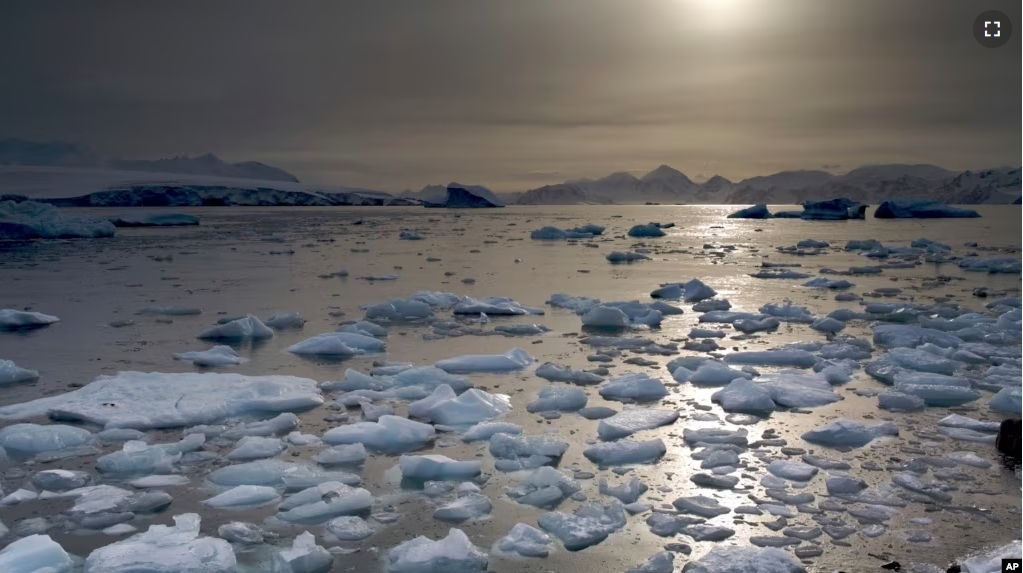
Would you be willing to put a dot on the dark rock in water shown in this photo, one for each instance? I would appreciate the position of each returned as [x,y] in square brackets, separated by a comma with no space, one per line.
[467,197]
[1008,440]
[833,210]
[893,566]
[954,569]
[920,209]
[758,211]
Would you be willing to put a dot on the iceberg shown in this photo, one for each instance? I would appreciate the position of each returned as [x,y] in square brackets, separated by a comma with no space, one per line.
[758,211]
[244,496]
[515,359]
[486,430]
[545,487]
[555,373]
[453,554]
[625,452]
[31,220]
[433,467]
[920,209]
[524,541]
[625,257]
[648,230]
[467,197]
[249,327]
[833,210]
[745,559]
[277,473]
[35,554]
[632,420]
[304,556]
[471,407]
[590,524]
[400,309]
[638,386]
[142,400]
[10,373]
[153,220]
[558,398]
[216,356]
[388,434]
[493,306]
[11,319]
[163,548]
[32,439]
[844,432]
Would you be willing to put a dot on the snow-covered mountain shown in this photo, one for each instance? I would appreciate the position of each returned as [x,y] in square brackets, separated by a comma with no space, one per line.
[561,194]
[22,152]
[429,194]
[868,184]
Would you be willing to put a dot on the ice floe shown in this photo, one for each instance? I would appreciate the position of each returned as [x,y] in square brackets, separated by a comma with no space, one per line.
[11,319]
[216,356]
[515,359]
[249,327]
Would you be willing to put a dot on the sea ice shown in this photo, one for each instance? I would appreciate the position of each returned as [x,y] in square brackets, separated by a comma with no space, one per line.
[493,306]
[734,559]
[343,454]
[464,508]
[244,496]
[590,524]
[35,554]
[471,407]
[255,447]
[249,327]
[638,386]
[788,312]
[285,320]
[515,359]
[216,356]
[606,317]
[625,452]
[901,335]
[700,505]
[626,492]
[555,373]
[662,562]
[558,398]
[899,402]
[790,470]
[11,319]
[526,452]
[781,357]
[326,501]
[10,373]
[32,439]
[545,487]
[453,554]
[277,473]
[434,467]
[138,458]
[844,432]
[525,541]
[163,549]
[632,420]
[388,434]
[142,400]
[486,430]
[32,220]
[349,528]
[1007,400]
[304,556]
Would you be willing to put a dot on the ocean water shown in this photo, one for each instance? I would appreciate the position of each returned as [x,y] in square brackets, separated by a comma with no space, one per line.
[261,260]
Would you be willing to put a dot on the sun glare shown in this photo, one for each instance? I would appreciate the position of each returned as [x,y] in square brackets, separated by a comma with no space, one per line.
[721,15]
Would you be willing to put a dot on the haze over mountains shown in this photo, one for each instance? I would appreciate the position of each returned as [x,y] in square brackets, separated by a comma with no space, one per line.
[14,151]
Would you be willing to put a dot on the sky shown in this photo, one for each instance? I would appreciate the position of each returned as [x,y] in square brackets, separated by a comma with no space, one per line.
[515,94]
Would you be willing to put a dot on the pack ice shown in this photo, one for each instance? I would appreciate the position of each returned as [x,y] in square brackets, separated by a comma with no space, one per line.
[165,549]
[154,400]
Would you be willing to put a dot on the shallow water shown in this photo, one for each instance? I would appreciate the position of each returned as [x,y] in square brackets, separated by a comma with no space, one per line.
[259,260]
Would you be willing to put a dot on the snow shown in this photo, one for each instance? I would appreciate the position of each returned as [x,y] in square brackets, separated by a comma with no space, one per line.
[142,400]
[163,549]
[471,407]
[590,524]
[304,556]
[556,373]
[35,554]
[758,211]
[844,432]
[153,219]
[32,439]
[638,386]
[744,559]
[255,447]
[515,359]
[452,554]
[244,496]
[648,230]
[432,467]
[31,220]
[11,319]
[632,420]
[10,373]
[388,434]
[558,398]
[524,541]
[625,452]
[216,356]
[920,209]
[466,507]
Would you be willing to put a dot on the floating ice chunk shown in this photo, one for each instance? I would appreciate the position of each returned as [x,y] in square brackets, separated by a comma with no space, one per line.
[606,317]
[626,492]
[60,480]
[758,211]
[577,304]
[590,524]
[466,507]
[919,209]
[35,554]
[638,386]
[616,342]
[788,312]
[899,402]
[137,457]
[970,459]
[844,432]
[901,335]
[795,358]
[790,470]
[793,389]
[486,430]
[242,328]
[715,436]
[255,447]
[559,398]
[372,413]
[410,236]
[365,328]
[153,220]
[732,559]
[154,481]
[244,496]
[171,310]
[276,426]
[695,290]
[338,344]
[521,329]
[706,333]
[153,550]
[545,487]
[530,451]
[700,505]
[32,439]
[779,274]
[525,541]
[828,324]
[304,556]
[555,373]
[632,420]
[755,324]
[11,319]
[430,377]
[18,496]
[349,528]
[648,230]
[625,257]
[936,389]
[277,473]
[324,502]
[833,284]
[285,320]
[549,233]
[343,454]
[10,373]
[216,356]
[453,554]
[911,483]
[663,562]
[839,484]
[471,407]
[400,309]
[32,220]
[141,400]
[493,306]
[1007,400]
[389,434]
[625,452]
[515,359]
[432,467]
[241,532]
[668,290]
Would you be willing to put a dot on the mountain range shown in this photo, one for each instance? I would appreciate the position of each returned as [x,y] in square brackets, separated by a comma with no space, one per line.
[22,152]
[869,184]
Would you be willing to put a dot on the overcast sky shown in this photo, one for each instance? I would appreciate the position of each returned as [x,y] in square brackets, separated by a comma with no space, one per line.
[514,94]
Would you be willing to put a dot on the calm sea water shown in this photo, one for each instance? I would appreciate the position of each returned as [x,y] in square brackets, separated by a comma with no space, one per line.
[260,260]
